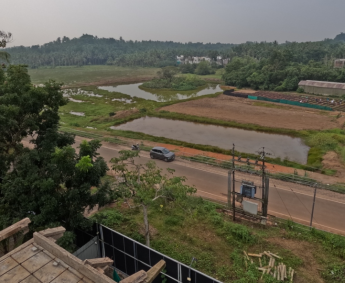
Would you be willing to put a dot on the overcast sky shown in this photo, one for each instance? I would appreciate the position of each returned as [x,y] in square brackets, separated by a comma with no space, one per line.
[227,21]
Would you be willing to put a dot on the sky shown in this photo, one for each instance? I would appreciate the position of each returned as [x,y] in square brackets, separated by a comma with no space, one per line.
[226,21]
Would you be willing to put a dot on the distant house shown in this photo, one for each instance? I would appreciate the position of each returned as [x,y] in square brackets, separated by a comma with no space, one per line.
[324,88]
[339,63]
[196,60]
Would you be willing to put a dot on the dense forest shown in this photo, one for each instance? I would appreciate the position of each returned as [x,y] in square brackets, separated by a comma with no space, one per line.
[91,50]
[282,67]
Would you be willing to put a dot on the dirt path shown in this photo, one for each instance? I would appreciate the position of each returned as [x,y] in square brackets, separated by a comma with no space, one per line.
[245,111]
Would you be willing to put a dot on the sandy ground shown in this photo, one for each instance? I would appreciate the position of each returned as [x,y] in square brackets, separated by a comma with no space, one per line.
[243,111]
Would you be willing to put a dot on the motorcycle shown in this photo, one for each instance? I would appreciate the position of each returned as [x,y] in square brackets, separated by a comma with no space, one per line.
[135,147]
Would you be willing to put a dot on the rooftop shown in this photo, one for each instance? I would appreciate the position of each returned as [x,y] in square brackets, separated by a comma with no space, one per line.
[40,260]
[322,84]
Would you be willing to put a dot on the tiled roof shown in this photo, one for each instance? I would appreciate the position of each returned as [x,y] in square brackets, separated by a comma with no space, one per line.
[40,260]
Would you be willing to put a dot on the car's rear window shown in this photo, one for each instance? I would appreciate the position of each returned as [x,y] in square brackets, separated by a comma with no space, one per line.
[165,151]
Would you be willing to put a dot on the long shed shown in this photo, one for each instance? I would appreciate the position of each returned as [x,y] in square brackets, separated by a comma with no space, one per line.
[324,88]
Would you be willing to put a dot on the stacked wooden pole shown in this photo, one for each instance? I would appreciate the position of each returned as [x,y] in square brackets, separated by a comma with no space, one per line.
[278,271]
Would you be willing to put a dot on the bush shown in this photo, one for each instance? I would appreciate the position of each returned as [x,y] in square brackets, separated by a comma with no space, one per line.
[300,90]
[111,114]
[109,218]
[143,110]
[239,232]
[67,241]
[203,68]
[75,124]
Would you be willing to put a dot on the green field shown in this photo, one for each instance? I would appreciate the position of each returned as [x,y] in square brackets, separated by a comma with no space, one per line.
[217,76]
[78,76]
[197,228]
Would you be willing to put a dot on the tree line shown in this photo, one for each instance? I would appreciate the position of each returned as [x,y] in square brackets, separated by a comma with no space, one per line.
[91,50]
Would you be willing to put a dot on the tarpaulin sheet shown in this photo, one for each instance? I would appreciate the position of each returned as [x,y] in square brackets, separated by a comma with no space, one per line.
[252,97]
[268,99]
[297,103]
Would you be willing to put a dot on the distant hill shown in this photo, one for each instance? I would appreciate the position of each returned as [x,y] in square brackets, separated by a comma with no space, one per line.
[91,50]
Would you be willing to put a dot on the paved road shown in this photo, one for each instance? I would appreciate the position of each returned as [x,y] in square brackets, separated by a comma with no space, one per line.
[286,200]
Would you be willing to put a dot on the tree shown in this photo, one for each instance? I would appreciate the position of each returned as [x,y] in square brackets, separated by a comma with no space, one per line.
[168,73]
[146,184]
[5,37]
[203,68]
[51,183]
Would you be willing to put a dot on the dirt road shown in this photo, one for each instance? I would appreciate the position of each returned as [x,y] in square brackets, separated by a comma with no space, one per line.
[241,110]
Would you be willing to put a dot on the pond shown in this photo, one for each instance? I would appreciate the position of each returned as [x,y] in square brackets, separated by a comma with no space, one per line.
[160,95]
[245,141]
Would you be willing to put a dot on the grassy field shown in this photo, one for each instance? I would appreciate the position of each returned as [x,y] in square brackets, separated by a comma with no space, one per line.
[217,76]
[200,229]
[78,76]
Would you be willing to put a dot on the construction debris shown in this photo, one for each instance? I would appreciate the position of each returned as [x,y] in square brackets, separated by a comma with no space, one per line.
[275,269]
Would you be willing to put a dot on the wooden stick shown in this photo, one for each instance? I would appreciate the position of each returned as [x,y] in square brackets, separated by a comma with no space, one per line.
[292,272]
[246,255]
[275,256]
[285,275]
[273,262]
[275,272]
[260,262]
[255,255]
[266,253]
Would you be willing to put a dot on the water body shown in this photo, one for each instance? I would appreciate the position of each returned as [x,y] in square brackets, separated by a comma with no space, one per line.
[245,141]
[160,95]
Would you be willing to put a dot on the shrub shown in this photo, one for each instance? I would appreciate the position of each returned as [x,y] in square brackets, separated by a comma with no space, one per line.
[67,241]
[111,114]
[239,232]
[300,90]
[143,110]
[75,124]
[109,218]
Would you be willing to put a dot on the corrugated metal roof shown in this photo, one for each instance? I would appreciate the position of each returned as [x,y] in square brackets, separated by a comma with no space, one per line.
[322,84]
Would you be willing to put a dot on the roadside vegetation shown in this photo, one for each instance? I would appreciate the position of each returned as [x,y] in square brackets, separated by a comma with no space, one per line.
[193,227]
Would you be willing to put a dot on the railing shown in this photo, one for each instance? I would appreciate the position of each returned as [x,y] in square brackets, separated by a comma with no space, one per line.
[131,256]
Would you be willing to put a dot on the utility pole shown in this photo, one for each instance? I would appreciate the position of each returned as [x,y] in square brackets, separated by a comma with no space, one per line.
[265,183]
[312,211]
[233,156]
[233,183]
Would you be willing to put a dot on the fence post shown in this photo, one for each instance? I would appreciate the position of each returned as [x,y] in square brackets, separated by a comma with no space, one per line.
[229,189]
[102,240]
[312,211]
